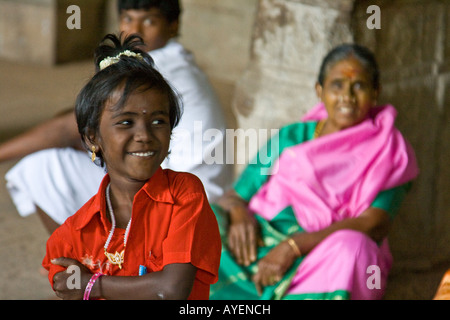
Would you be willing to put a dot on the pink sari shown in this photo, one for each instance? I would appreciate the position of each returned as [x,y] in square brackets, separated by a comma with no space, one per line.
[336,177]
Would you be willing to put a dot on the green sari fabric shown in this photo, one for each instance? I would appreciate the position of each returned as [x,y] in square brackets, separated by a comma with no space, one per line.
[235,281]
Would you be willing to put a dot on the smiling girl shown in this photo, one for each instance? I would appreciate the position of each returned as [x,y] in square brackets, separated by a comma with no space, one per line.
[149,233]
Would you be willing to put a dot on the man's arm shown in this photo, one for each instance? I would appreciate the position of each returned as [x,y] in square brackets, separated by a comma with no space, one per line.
[58,132]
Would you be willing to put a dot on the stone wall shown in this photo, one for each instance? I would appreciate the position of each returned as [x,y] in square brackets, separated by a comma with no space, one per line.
[35,31]
[413,49]
[219,34]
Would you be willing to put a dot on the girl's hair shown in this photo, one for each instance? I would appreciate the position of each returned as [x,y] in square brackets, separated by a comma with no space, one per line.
[344,51]
[133,72]
[170,9]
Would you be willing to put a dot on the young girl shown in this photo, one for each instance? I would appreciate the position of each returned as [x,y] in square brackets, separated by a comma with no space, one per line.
[149,233]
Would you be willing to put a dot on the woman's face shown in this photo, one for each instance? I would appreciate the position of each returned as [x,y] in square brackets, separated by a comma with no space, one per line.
[134,140]
[347,93]
[151,25]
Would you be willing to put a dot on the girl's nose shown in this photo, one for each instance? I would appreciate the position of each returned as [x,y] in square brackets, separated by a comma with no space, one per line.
[143,133]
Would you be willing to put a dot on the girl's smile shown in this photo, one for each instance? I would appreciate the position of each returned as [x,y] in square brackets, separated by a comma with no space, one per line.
[142,154]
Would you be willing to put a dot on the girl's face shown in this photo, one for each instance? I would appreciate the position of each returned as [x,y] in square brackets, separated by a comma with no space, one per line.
[151,25]
[134,140]
[347,93]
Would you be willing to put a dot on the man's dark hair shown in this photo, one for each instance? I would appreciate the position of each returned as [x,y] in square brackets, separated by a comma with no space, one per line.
[170,9]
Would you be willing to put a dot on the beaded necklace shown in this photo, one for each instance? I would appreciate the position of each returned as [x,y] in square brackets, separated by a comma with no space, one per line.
[116,258]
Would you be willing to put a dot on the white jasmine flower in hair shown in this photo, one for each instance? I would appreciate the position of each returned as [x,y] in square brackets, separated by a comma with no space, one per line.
[105,63]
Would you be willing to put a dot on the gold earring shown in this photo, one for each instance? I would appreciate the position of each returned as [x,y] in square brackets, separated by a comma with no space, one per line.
[93,154]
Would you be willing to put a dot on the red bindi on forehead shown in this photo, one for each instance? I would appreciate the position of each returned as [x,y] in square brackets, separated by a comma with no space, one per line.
[351,68]
[349,72]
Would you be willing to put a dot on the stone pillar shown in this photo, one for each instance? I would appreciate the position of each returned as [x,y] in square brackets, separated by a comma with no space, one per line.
[413,49]
[289,40]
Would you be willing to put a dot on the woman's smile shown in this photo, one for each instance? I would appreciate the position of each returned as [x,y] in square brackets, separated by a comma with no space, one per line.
[346,110]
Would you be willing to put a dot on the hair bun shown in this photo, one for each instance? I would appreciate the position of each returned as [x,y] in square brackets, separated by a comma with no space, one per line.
[113,48]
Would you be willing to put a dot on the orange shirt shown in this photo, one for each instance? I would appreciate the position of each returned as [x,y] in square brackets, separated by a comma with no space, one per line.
[172,222]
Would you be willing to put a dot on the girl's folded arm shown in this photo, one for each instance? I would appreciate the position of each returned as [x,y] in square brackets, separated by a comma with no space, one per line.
[174,282]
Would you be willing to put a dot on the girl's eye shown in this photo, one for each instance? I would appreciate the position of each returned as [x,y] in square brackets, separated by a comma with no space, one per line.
[158,122]
[125,123]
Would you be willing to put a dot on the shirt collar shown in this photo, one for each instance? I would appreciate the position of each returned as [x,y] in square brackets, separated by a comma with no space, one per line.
[156,188]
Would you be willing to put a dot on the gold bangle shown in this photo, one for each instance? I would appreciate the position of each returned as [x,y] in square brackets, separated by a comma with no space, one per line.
[294,247]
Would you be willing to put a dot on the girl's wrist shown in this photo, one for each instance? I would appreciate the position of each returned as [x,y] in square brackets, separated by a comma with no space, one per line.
[93,287]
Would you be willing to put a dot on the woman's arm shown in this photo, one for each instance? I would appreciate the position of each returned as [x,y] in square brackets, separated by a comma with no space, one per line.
[373,222]
[243,233]
[58,132]
[174,282]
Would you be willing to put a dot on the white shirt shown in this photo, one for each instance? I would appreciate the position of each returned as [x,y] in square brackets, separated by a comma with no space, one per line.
[198,142]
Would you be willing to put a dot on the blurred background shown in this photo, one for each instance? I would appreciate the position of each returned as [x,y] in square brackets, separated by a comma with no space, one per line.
[262,57]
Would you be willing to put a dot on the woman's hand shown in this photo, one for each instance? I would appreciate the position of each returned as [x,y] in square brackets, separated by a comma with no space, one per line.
[274,265]
[243,235]
[61,279]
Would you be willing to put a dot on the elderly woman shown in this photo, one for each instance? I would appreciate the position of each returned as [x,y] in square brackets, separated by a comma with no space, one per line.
[317,227]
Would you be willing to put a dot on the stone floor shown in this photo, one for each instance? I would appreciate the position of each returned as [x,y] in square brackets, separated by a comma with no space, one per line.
[29,94]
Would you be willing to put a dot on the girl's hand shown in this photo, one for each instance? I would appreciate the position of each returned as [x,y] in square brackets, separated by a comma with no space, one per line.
[243,235]
[274,265]
[61,279]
